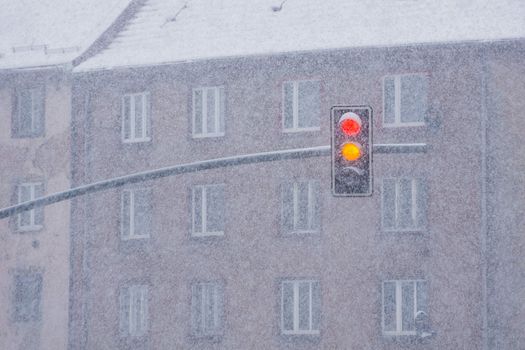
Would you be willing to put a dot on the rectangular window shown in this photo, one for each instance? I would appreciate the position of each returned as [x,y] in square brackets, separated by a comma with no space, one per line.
[206,308]
[402,300]
[403,205]
[405,100]
[28,116]
[300,207]
[208,111]
[134,310]
[300,307]
[136,117]
[208,210]
[33,219]
[301,106]
[136,213]
[27,296]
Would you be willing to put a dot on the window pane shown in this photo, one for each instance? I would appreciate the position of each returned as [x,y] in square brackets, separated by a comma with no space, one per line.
[143,212]
[316,306]
[389,204]
[25,112]
[389,306]
[215,208]
[309,104]
[197,209]
[389,96]
[196,308]
[304,306]
[222,114]
[287,306]
[407,292]
[197,112]
[422,296]
[28,290]
[211,110]
[137,311]
[138,116]
[288,105]
[421,204]
[287,206]
[147,114]
[209,307]
[315,206]
[301,197]
[38,111]
[124,310]
[126,115]
[39,212]
[413,98]
[126,202]
[405,204]
[144,310]
[24,195]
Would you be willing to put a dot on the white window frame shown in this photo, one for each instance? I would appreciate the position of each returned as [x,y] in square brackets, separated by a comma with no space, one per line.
[414,207]
[217,305]
[218,111]
[145,137]
[399,306]
[32,226]
[397,101]
[296,330]
[204,212]
[311,207]
[132,234]
[295,108]
[132,330]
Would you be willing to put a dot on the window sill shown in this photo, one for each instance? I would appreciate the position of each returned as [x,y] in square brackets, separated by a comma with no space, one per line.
[402,125]
[300,333]
[300,233]
[133,141]
[27,229]
[415,231]
[207,136]
[300,130]
[134,238]
[400,334]
[207,234]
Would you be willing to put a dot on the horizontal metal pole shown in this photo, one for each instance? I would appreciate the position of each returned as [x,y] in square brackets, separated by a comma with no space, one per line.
[299,153]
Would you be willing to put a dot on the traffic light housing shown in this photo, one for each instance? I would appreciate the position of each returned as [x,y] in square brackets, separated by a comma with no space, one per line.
[351,150]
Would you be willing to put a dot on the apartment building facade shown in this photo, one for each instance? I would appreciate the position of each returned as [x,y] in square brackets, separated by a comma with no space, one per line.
[35,146]
[39,43]
[262,256]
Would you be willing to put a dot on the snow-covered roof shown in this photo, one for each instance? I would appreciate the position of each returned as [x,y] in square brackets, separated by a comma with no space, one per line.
[168,31]
[38,33]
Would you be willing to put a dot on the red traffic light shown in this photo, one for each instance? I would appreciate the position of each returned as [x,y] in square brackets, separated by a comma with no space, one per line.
[350,124]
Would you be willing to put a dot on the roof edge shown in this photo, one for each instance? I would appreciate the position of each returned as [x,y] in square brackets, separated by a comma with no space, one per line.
[77,71]
[104,39]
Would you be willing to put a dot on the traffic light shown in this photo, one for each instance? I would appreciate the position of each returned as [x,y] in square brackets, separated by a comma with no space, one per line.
[351,150]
